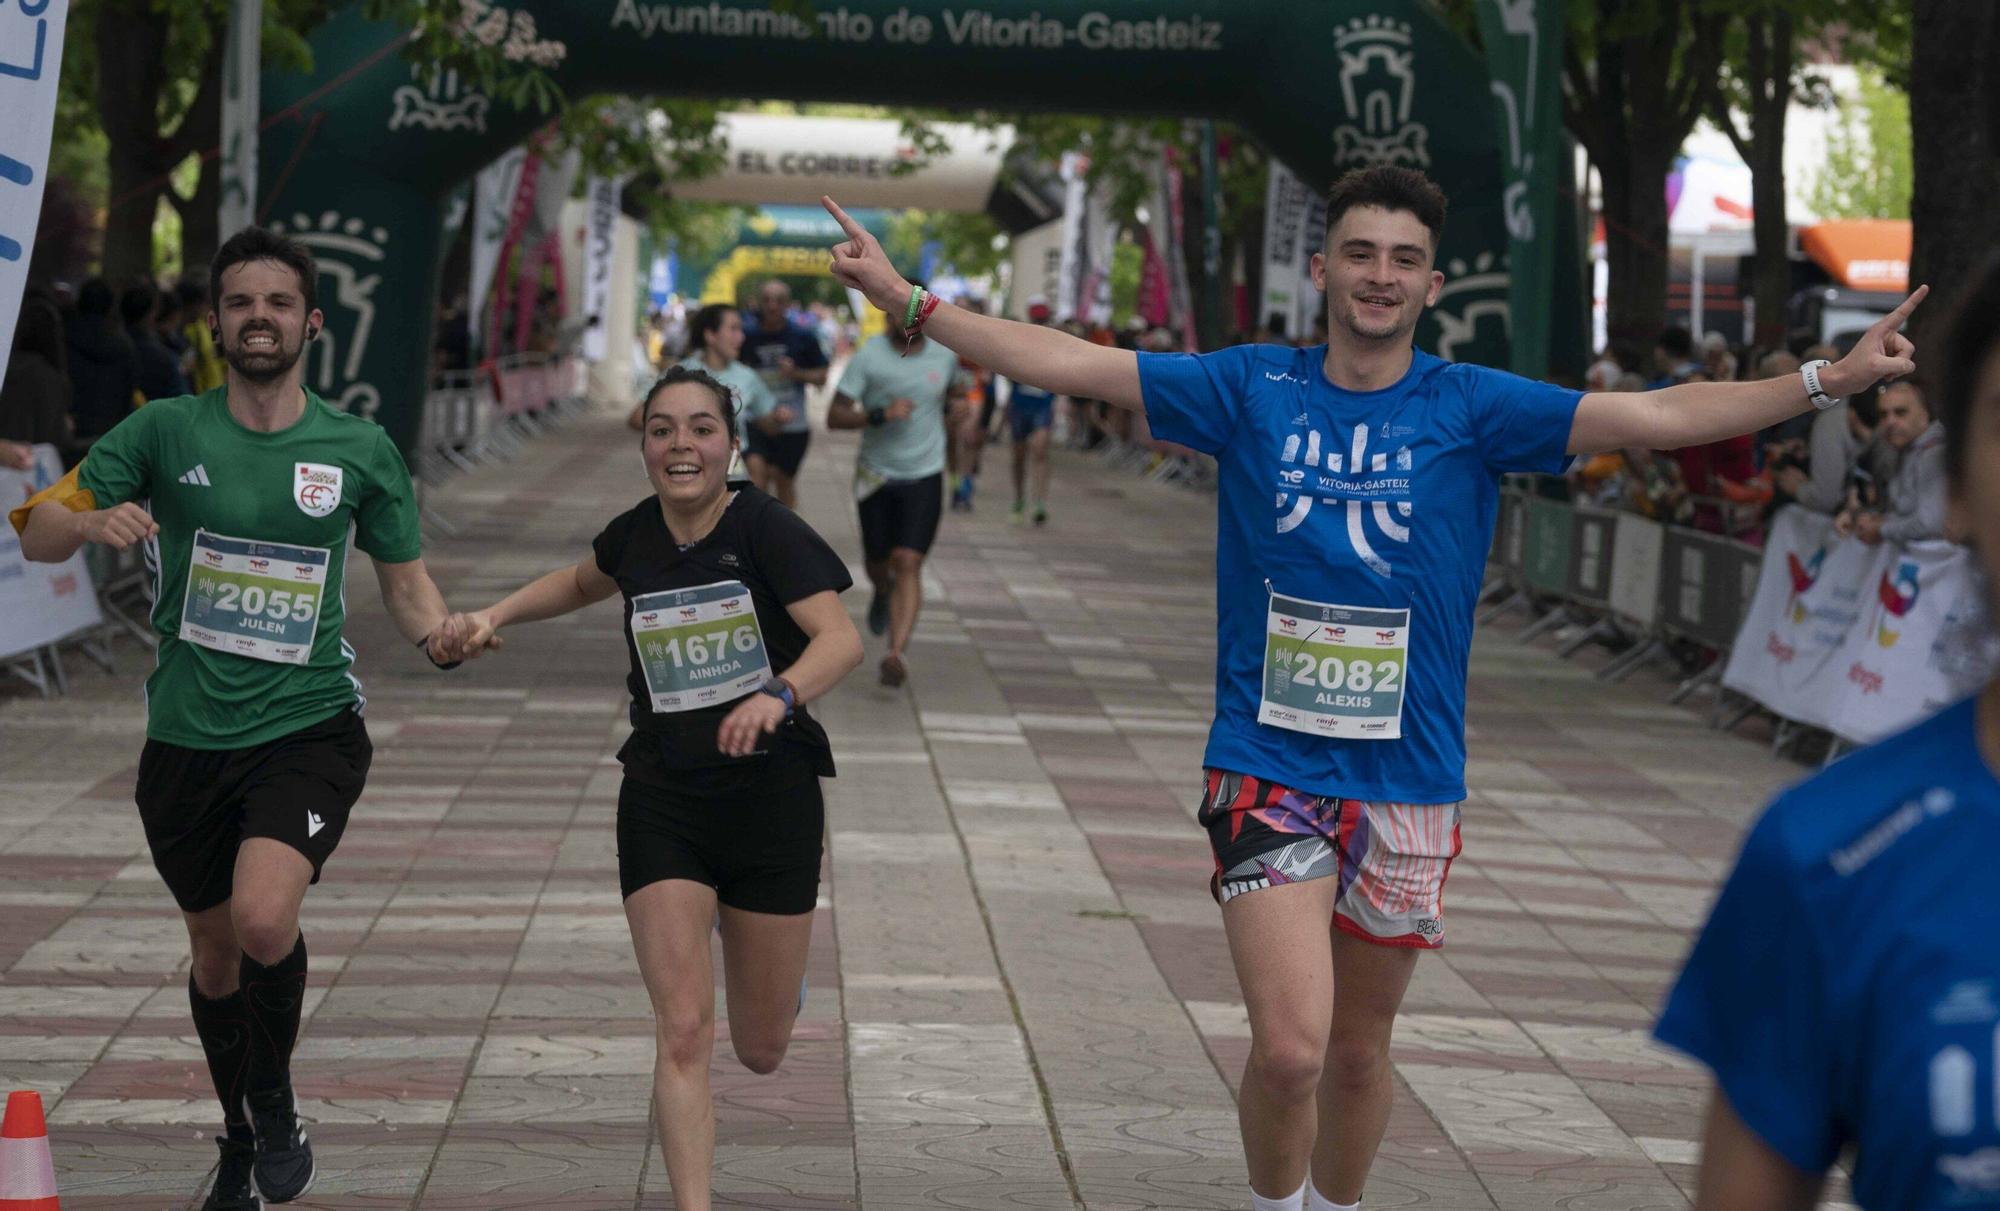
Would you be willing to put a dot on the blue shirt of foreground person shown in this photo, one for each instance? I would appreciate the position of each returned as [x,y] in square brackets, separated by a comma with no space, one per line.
[1846,990]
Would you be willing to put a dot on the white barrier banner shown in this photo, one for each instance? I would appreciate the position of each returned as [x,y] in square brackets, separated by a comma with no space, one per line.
[31,49]
[40,603]
[1635,568]
[1902,660]
[1860,640]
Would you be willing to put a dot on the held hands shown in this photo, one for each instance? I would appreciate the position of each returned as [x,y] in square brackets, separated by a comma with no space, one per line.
[1881,353]
[119,526]
[899,408]
[758,715]
[861,264]
[464,637]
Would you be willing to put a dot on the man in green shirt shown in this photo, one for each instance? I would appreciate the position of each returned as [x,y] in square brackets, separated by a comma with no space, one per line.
[246,497]
[898,392]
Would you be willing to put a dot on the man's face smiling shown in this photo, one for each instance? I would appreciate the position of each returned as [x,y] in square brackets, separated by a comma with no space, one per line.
[1376,271]
[262,319]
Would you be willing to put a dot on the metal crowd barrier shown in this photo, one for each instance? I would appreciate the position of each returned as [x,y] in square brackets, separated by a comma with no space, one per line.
[1622,578]
[488,414]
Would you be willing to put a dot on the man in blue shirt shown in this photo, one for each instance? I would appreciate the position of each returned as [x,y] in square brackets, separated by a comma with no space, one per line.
[1846,989]
[788,357]
[1336,761]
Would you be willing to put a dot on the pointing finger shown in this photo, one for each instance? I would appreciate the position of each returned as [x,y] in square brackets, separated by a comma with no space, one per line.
[1906,307]
[853,229]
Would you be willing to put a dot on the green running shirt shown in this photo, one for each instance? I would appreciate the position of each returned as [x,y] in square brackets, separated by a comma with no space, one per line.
[196,467]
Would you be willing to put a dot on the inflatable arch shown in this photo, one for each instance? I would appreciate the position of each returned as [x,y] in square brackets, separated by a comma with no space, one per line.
[359,159]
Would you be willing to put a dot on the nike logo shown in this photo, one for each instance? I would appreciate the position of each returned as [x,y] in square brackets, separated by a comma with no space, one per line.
[198,477]
[314,824]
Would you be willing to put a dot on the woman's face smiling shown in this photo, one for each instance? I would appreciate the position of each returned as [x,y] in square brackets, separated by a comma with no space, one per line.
[686,445]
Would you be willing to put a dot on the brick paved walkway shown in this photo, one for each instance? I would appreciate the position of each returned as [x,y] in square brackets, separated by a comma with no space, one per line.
[1020,994]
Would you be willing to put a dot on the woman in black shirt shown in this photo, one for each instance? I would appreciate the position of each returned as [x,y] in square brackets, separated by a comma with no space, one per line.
[733,623]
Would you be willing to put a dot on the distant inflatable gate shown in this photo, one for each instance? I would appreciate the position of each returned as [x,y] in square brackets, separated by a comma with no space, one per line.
[359,158]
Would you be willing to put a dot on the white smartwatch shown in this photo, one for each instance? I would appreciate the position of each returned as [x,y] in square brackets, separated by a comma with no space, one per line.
[1810,372]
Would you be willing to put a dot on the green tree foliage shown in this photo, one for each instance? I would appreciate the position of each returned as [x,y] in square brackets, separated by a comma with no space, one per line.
[971,244]
[1867,173]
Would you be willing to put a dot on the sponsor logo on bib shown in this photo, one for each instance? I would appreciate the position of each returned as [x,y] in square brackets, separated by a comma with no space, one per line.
[316,488]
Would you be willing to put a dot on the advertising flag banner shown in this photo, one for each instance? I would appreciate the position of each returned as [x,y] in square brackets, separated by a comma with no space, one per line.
[31,49]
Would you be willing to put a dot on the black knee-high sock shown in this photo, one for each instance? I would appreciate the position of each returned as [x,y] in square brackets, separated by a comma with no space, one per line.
[273,995]
[223,1023]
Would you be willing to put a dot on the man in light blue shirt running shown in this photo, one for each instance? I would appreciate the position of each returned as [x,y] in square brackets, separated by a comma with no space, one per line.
[899,394]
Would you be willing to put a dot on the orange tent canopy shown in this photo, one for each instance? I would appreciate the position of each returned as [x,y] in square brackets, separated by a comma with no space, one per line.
[1861,254]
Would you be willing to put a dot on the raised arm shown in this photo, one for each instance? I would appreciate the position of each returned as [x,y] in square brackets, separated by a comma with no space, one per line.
[1694,414]
[1028,353]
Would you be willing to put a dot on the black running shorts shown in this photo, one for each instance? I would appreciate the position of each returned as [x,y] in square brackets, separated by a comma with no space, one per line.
[902,513]
[785,451]
[198,805]
[759,849]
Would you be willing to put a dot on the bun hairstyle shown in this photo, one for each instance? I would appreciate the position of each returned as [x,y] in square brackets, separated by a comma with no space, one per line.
[725,399]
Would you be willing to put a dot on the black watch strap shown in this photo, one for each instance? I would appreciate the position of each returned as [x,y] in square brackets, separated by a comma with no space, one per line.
[424,645]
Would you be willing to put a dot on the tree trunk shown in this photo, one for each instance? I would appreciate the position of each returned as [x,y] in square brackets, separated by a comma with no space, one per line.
[1955,151]
[1631,109]
[131,48]
[1635,247]
[1771,97]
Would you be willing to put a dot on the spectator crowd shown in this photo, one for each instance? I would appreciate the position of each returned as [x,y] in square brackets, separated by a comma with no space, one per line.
[1874,461]
[82,361]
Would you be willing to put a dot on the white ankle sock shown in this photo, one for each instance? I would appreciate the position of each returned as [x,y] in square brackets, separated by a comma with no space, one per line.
[1296,1201]
[1315,1201]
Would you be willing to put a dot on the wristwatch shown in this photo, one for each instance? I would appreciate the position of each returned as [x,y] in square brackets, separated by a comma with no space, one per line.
[779,688]
[877,417]
[1810,372]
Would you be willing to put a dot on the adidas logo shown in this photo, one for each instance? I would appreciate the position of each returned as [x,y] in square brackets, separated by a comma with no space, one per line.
[313,821]
[198,477]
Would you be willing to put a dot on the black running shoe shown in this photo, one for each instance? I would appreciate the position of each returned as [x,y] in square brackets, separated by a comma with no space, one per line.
[878,613]
[284,1167]
[233,1190]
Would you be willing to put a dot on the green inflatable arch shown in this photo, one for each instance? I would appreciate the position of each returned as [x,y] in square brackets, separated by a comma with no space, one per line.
[359,158]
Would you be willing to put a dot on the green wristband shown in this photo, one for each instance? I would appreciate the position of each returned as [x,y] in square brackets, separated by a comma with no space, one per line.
[910,312]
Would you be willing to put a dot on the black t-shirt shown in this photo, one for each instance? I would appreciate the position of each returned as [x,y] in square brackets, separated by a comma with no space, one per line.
[780,560]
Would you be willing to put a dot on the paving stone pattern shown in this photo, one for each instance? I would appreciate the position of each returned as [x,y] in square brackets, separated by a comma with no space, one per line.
[1020,994]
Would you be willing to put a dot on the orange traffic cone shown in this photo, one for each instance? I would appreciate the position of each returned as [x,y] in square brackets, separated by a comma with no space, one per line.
[27,1172]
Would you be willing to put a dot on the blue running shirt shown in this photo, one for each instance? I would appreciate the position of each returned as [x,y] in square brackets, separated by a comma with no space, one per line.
[1846,989]
[1380,498]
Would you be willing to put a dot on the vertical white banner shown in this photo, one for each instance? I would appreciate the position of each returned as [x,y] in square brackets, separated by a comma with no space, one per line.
[241,62]
[1076,186]
[31,47]
[1100,241]
[492,213]
[600,227]
[1307,305]
[1286,199]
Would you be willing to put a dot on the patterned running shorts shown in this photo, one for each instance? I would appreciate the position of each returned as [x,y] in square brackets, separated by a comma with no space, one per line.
[1391,858]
